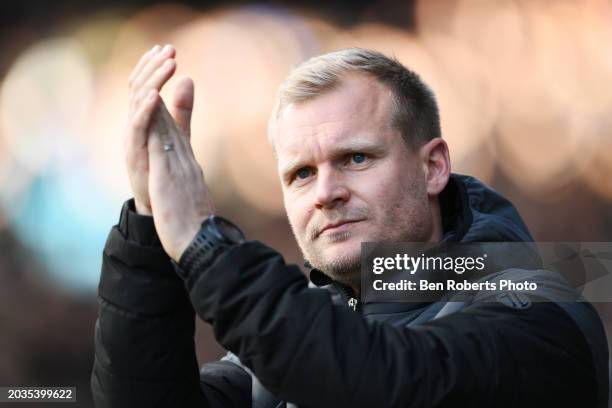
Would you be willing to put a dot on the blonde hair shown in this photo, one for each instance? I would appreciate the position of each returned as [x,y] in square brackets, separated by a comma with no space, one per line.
[415,113]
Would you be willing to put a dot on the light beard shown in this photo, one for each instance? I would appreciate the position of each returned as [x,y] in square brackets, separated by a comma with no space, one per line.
[344,269]
[403,222]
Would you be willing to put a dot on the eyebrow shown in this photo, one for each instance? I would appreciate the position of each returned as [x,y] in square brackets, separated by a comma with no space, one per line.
[354,146]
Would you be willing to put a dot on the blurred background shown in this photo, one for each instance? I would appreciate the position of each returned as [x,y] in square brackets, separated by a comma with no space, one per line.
[523,88]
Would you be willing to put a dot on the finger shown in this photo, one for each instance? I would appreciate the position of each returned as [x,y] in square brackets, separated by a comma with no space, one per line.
[167,144]
[182,104]
[141,121]
[160,159]
[141,63]
[170,132]
[158,79]
[151,66]
[153,76]
[176,135]
[155,82]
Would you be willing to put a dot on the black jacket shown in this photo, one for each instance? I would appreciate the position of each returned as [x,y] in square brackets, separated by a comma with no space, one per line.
[291,342]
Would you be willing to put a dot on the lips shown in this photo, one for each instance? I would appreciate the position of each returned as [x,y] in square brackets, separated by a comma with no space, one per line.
[336,225]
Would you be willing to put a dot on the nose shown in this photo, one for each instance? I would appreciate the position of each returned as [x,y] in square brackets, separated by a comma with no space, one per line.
[331,189]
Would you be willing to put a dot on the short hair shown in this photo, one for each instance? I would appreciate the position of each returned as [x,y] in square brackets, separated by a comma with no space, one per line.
[416,111]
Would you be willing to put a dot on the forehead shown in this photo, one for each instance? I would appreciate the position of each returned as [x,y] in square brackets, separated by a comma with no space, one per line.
[359,107]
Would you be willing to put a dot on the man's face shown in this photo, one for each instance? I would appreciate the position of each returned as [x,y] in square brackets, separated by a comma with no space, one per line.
[348,177]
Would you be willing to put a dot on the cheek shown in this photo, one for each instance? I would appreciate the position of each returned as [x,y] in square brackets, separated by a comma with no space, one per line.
[298,212]
[375,190]
[385,194]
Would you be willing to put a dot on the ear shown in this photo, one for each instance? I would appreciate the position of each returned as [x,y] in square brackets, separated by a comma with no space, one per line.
[436,165]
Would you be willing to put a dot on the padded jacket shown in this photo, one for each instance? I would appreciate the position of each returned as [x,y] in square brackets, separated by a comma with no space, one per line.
[293,344]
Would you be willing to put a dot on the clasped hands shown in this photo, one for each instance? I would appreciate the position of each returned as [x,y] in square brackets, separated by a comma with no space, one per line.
[167,181]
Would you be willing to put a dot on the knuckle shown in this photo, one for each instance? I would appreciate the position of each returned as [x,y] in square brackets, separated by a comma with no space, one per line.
[137,103]
[137,97]
[135,125]
[129,152]
[128,142]
[133,81]
[129,162]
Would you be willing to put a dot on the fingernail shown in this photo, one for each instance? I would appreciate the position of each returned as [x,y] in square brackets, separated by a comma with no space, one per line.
[155,48]
[167,48]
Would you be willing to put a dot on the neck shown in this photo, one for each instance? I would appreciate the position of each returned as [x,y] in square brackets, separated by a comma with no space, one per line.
[436,221]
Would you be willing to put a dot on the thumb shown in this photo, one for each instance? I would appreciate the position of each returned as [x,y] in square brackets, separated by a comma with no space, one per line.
[182,104]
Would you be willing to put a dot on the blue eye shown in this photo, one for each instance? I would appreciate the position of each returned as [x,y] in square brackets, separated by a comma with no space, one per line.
[303,173]
[358,158]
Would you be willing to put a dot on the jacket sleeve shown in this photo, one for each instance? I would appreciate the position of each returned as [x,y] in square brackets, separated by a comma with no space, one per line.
[144,335]
[314,353]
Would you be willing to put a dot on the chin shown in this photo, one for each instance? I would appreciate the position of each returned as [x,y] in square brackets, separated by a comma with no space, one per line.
[345,248]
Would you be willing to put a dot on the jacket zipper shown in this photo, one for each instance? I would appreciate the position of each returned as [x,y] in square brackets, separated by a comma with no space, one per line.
[351,301]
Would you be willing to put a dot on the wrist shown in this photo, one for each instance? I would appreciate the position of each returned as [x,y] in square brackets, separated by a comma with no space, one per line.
[215,236]
[183,243]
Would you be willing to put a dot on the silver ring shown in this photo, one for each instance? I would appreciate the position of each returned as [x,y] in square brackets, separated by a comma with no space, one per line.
[168,147]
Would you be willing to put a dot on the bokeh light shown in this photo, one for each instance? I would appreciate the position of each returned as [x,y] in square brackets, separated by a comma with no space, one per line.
[42,103]
[519,84]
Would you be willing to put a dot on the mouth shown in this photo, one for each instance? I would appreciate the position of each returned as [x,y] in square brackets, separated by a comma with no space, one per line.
[339,226]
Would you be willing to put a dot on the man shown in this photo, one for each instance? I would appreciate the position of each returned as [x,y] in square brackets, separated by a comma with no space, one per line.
[360,158]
